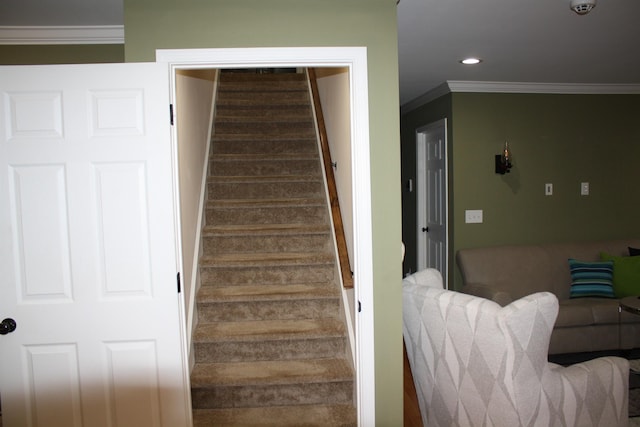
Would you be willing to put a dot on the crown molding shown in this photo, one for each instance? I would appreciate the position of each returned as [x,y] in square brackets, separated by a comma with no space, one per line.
[544,88]
[460,86]
[47,35]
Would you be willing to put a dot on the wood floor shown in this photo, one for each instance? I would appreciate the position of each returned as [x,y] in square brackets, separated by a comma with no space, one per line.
[412,416]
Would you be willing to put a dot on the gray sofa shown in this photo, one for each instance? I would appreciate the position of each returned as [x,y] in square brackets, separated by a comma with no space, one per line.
[506,273]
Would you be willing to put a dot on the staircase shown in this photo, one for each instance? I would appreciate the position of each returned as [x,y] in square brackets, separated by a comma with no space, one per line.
[270,345]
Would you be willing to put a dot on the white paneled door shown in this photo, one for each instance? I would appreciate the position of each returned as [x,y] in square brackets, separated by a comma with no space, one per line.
[88,249]
[431,154]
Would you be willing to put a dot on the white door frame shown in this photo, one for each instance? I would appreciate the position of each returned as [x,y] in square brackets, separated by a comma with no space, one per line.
[355,58]
[422,194]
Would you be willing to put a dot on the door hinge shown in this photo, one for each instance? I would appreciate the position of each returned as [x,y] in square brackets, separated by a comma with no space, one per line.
[359,306]
[171,114]
[178,280]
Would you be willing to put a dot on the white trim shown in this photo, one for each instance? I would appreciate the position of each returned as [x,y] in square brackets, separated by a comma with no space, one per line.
[421,199]
[451,86]
[421,193]
[544,88]
[76,34]
[355,58]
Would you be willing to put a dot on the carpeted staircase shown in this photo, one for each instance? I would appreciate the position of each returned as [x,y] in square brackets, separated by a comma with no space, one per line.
[270,345]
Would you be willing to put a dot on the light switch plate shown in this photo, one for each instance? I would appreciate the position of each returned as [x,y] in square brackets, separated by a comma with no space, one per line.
[548,189]
[584,188]
[473,216]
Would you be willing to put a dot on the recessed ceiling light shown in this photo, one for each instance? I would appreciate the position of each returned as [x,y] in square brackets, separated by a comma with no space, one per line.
[471,61]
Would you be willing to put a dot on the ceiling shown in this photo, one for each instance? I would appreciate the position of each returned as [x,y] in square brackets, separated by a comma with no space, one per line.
[539,41]
[519,41]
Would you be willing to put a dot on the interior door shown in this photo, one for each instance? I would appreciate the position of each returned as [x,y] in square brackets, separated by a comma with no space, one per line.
[431,188]
[88,249]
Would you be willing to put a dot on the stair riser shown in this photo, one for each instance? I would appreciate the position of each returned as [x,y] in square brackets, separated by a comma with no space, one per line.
[290,349]
[268,310]
[228,86]
[272,395]
[264,146]
[233,276]
[265,81]
[262,168]
[267,215]
[262,99]
[231,88]
[265,190]
[301,129]
[340,415]
[248,113]
[273,243]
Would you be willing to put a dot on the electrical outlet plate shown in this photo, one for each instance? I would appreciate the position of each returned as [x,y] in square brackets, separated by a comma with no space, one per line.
[473,216]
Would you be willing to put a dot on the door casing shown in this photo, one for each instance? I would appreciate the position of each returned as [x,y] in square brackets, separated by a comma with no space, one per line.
[355,59]
[426,194]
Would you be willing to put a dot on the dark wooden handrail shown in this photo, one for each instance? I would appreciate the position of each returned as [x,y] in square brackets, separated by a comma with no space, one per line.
[341,242]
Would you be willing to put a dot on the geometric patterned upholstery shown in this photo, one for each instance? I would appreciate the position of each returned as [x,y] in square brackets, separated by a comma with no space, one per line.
[476,363]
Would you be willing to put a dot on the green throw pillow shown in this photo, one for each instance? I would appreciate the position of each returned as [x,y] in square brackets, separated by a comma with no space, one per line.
[626,274]
[591,279]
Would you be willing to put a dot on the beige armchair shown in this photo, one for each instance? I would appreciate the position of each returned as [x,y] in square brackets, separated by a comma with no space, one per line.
[476,363]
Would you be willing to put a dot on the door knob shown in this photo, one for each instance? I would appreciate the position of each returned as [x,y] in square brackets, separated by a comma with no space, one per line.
[7,326]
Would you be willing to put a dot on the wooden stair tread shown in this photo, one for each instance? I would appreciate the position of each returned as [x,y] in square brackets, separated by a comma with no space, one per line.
[270,372]
[263,330]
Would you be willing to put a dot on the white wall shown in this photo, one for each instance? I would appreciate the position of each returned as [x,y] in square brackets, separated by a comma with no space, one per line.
[194,108]
[333,87]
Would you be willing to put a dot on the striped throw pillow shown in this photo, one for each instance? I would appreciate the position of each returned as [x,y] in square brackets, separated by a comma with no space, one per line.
[591,279]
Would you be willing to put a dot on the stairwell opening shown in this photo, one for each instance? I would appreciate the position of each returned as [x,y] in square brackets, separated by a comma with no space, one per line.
[259,162]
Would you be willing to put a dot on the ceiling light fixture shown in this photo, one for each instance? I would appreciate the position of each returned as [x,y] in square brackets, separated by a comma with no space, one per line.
[582,7]
[471,61]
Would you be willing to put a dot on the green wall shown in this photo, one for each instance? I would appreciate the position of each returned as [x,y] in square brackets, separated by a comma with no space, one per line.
[278,23]
[558,139]
[60,54]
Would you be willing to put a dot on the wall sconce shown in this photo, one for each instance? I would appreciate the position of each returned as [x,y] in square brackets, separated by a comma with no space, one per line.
[503,161]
